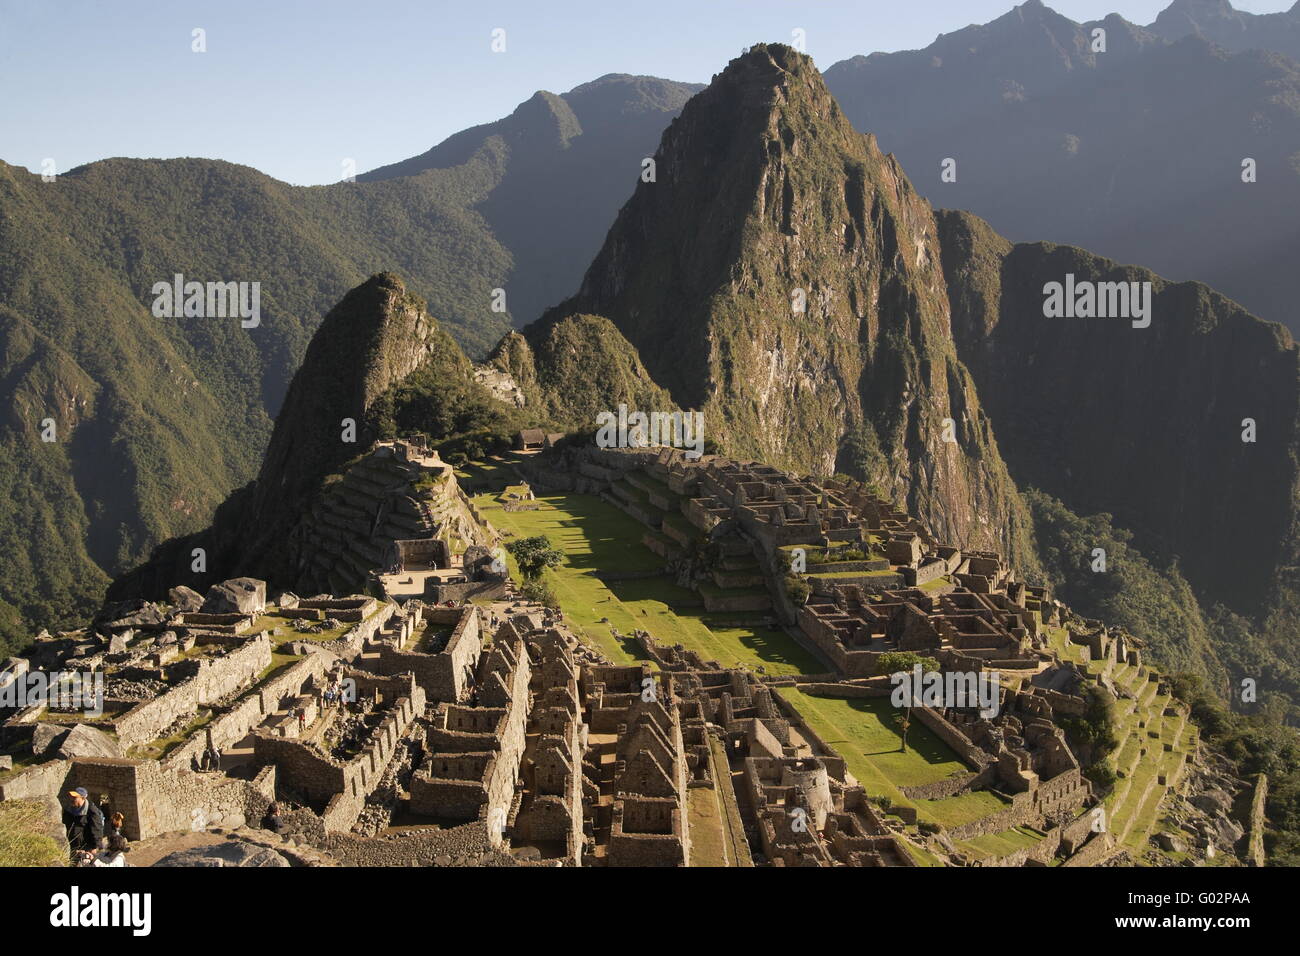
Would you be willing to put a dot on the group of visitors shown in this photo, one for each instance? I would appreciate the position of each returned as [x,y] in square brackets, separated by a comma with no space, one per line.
[95,837]
[335,692]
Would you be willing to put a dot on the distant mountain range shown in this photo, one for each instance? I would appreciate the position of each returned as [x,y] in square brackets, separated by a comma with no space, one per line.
[1135,153]
[764,186]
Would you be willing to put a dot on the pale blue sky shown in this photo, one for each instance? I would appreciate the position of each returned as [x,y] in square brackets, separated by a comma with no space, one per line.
[292,87]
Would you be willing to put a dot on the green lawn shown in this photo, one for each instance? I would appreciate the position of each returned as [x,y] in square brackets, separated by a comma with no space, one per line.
[708,835]
[863,732]
[1002,844]
[598,538]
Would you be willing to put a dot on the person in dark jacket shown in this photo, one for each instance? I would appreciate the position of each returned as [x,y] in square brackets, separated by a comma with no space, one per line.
[273,821]
[84,822]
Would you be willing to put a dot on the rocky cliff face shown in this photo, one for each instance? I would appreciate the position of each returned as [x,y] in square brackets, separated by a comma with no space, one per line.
[781,274]
[1143,423]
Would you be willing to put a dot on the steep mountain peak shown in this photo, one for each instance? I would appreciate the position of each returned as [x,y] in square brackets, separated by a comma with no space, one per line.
[1235,29]
[780,273]
[623,95]
[374,338]
[1199,8]
[545,120]
[378,341]
[1195,16]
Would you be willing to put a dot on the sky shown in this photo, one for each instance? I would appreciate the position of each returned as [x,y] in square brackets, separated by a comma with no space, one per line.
[297,87]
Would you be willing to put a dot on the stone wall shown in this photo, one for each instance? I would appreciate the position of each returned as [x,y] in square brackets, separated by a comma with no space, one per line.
[647,831]
[343,787]
[217,677]
[36,782]
[1255,852]
[155,801]
[478,784]
[350,644]
[251,710]
[1094,851]
[453,846]
[492,590]
[444,675]
[971,755]
[850,663]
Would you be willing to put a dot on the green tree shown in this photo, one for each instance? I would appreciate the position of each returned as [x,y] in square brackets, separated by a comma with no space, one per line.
[534,555]
[891,662]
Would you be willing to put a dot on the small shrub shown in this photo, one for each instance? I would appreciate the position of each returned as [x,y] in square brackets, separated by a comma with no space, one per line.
[798,589]
[540,591]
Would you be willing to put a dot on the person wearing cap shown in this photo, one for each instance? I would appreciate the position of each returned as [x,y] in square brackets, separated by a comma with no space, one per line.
[84,822]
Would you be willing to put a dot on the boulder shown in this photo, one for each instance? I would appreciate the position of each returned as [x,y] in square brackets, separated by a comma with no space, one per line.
[236,596]
[1212,801]
[1227,831]
[231,853]
[45,737]
[84,741]
[6,763]
[185,599]
[1171,843]
[148,614]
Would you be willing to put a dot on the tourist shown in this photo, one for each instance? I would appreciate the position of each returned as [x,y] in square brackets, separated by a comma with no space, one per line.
[116,854]
[84,823]
[273,821]
[302,720]
[115,824]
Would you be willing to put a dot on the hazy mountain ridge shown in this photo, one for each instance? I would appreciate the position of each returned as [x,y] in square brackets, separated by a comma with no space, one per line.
[1216,20]
[1106,151]
[1144,423]
[570,162]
